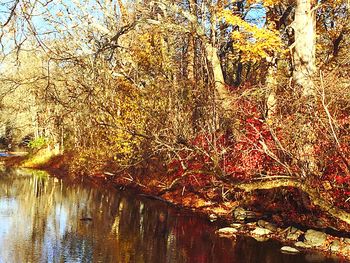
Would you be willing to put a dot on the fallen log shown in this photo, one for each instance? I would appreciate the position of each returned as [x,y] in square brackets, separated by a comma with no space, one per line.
[313,194]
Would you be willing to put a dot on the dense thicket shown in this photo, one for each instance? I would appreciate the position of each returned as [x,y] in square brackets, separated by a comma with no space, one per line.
[216,90]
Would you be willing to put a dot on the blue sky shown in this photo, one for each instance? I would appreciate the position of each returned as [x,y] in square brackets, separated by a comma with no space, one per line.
[61,10]
[256,15]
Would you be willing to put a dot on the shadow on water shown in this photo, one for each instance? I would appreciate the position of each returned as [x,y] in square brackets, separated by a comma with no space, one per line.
[44,219]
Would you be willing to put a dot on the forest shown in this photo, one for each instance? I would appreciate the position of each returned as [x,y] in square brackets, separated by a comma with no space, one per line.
[212,104]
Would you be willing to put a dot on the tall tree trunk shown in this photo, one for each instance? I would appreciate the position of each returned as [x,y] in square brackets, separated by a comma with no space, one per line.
[191,47]
[305,46]
[224,98]
[271,86]
[190,60]
[304,71]
[191,72]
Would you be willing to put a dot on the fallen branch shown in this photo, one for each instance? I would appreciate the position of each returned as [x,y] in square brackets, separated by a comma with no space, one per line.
[315,197]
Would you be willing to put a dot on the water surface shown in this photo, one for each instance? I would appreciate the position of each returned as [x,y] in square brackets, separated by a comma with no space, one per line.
[44,219]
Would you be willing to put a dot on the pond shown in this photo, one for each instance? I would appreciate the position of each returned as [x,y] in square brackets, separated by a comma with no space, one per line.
[45,219]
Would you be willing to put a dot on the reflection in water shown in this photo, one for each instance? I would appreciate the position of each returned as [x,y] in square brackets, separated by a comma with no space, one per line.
[43,219]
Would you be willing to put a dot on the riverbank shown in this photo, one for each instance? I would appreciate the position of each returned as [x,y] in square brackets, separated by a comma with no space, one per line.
[262,214]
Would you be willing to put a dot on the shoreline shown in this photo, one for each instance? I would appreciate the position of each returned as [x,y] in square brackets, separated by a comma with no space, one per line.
[222,213]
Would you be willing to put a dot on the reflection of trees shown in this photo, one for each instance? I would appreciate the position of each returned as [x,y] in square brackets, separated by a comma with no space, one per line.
[40,221]
[45,224]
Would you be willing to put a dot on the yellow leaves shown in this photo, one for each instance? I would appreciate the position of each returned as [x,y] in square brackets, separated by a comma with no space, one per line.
[128,118]
[253,42]
[151,51]
[236,35]
[267,3]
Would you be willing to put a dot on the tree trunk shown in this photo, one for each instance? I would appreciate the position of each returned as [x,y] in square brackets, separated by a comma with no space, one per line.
[190,60]
[224,97]
[304,71]
[191,48]
[271,86]
[305,46]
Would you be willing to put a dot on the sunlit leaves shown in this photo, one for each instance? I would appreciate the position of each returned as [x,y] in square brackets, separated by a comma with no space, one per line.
[254,43]
[266,3]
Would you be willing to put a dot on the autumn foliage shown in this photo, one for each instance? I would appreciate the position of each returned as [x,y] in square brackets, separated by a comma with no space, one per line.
[190,95]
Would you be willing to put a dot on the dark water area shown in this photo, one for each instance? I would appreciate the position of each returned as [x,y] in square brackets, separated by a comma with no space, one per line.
[45,219]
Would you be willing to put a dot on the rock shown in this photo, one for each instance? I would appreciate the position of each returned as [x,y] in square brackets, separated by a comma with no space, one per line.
[261,238]
[251,224]
[267,225]
[227,231]
[335,246]
[287,249]
[302,244]
[259,231]
[213,217]
[240,214]
[293,233]
[315,238]
[236,225]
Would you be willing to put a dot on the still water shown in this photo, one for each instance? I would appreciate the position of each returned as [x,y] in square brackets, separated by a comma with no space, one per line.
[44,219]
